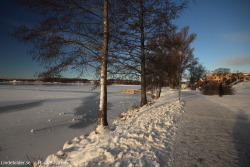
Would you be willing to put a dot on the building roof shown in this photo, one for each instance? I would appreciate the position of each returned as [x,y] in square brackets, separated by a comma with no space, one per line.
[230,73]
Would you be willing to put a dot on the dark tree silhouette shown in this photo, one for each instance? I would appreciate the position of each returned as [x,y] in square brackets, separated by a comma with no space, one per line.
[164,61]
[196,72]
[142,18]
[69,34]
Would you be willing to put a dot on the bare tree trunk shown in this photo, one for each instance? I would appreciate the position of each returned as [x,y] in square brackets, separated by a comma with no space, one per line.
[143,76]
[102,112]
[159,90]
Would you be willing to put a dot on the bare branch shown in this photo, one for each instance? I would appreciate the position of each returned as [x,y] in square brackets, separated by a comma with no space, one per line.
[90,11]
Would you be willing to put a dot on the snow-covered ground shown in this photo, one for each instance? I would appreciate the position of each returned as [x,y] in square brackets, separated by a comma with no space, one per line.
[37,119]
[162,134]
[214,131]
[198,131]
[142,137]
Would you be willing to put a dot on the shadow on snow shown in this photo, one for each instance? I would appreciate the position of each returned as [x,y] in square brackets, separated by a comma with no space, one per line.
[18,107]
[88,111]
[241,133]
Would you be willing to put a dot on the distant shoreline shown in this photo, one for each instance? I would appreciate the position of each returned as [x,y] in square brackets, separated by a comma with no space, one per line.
[68,81]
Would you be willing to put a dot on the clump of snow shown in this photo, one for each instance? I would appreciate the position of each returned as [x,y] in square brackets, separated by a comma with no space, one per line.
[140,137]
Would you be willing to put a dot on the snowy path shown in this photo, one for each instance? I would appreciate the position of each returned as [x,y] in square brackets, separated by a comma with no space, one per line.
[213,131]
[140,138]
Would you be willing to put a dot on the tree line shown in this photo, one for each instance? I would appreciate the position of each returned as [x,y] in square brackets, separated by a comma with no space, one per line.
[111,38]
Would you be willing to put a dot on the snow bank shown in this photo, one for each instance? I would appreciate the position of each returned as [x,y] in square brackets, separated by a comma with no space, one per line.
[242,88]
[141,137]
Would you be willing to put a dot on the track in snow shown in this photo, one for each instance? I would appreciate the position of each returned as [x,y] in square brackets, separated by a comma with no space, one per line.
[211,134]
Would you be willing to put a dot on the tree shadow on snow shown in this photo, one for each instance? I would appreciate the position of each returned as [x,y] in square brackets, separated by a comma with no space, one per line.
[88,111]
[19,107]
[242,138]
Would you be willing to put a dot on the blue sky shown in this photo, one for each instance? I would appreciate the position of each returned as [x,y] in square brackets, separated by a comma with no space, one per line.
[222,28]
[223,32]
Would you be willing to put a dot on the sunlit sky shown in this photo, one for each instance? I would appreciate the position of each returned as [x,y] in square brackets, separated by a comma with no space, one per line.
[222,28]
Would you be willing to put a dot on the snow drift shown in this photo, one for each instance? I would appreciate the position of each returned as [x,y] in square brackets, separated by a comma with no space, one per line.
[142,137]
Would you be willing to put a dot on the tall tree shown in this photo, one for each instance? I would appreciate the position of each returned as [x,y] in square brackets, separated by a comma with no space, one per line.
[196,72]
[69,34]
[142,18]
[102,112]
[157,60]
[170,55]
[156,75]
[179,48]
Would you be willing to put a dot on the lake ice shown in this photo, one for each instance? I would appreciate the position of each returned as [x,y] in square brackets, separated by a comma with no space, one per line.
[38,119]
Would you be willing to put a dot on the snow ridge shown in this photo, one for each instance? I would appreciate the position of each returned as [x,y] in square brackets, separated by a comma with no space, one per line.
[142,137]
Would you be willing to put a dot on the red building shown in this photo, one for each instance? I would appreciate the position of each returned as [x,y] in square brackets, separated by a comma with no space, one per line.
[200,82]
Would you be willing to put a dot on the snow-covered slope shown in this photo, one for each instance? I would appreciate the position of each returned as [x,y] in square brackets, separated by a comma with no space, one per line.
[142,137]
[242,88]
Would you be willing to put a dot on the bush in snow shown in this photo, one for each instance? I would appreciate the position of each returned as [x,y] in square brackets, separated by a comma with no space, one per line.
[228,90]
[212,89]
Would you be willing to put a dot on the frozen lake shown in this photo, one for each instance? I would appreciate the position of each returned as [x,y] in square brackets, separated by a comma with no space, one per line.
[55,114]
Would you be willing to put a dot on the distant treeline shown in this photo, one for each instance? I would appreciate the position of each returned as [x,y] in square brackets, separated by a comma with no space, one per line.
[66,80]
[72,80]
[119,82]
[62,80]
[123,82]
[3,80]
[17,79]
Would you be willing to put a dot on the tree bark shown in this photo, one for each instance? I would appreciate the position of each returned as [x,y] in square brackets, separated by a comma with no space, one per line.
[159,90]
[143,76]
[102,112]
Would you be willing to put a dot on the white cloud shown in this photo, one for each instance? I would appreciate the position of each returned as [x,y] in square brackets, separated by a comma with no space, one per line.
[235,61]
[241,36]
